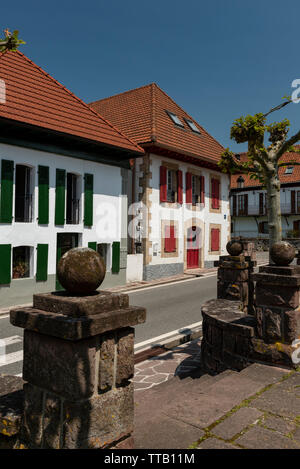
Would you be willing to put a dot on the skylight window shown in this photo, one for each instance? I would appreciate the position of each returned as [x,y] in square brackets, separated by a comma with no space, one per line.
[192,126]
[175,118]
[289,170]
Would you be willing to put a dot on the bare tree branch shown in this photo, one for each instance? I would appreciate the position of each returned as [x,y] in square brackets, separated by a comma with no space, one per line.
[276,108]
[290,142]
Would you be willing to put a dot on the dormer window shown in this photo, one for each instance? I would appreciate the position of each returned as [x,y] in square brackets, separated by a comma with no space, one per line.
[192,126]
[289,170]
[240,182]
[175,118]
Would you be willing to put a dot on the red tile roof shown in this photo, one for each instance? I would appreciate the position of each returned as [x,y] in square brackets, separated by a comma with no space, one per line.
[284,178]
[34,97]
[141,114]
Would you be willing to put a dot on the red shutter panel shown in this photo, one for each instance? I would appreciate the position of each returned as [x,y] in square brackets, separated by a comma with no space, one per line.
[293,202]
[215,239]
[217,194]
[170,240]
[202,190]
[179,188]
[188,190]
[213,193]
[215,189]
[163,184]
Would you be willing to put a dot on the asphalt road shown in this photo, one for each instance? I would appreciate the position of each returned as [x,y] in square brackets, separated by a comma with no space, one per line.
[169,307]
[172,306]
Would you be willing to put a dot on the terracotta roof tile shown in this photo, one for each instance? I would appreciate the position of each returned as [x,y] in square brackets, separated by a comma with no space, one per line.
[34,97]
[284,178]
[141,114]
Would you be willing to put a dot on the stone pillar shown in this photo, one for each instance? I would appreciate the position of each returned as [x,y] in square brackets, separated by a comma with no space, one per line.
[78,361]
[278,306]
[234,276]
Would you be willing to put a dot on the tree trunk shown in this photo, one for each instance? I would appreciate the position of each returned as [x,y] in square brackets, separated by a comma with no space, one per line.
[274,213]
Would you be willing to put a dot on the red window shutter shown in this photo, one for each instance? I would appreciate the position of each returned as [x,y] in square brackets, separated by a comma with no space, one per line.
[202,190]
[188,190]
[179,188]
[215,188]
[163,184]
[293,202]
[215,239]
[170,240]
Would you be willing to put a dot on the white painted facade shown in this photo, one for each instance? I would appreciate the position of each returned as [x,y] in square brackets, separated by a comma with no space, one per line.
[183,215]
[109,210]
[248,225]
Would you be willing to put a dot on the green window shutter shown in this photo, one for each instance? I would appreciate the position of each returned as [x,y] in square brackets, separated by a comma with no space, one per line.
[60,197]
[42,262]
[5,264]
[93,245]
[88,199]
[115,268]
[43,195]
[7,176]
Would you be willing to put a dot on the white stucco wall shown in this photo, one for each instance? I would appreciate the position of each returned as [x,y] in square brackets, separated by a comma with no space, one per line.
[107,209]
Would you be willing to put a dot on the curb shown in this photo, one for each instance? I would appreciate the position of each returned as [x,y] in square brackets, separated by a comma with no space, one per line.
[166,345]
[138,287]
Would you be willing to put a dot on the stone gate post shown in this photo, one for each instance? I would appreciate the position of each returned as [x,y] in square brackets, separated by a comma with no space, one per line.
[78,361]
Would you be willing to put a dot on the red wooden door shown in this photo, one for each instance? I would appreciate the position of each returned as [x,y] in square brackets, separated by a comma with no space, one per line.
[193,250]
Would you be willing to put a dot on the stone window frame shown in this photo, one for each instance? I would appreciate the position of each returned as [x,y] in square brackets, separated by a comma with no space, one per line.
[164,224]
[211,209]
[171,167]
[219,227]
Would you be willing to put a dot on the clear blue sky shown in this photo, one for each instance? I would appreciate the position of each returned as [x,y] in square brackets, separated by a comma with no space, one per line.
[218,59]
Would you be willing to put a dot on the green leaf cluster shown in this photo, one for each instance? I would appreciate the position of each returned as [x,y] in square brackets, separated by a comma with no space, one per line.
[11,42]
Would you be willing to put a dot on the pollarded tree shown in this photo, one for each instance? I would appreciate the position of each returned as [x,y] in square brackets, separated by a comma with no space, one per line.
[263,161]
[10,41]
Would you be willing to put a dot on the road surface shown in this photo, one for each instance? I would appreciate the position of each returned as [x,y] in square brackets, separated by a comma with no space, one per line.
[169,308]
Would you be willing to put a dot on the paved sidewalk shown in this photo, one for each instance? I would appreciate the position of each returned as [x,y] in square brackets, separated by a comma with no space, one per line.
[179,406]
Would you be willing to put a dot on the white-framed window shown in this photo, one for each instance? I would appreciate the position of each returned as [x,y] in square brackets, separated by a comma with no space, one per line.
[22,262]
[23,193]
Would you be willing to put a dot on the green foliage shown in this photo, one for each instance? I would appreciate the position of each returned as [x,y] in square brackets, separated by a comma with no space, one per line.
[248,129]
[11,41]
[278,130]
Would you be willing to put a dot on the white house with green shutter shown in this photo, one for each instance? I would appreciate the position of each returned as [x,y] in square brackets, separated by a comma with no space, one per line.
[63,173]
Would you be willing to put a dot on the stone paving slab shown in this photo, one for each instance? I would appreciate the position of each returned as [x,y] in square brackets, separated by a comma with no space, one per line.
[167,433]
[258,407]
[281,425]
[279,402]
[262,438]
[214,443]
[237,422]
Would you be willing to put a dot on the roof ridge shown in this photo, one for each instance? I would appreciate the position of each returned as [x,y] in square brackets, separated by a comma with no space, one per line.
[153,109]
[77,98]
[123,92]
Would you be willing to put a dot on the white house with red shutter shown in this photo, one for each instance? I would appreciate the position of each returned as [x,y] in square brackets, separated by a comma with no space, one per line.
[180,219]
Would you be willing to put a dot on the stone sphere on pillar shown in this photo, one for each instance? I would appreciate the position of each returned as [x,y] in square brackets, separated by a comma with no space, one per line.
[234,247]
[282,253]
[81,271]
